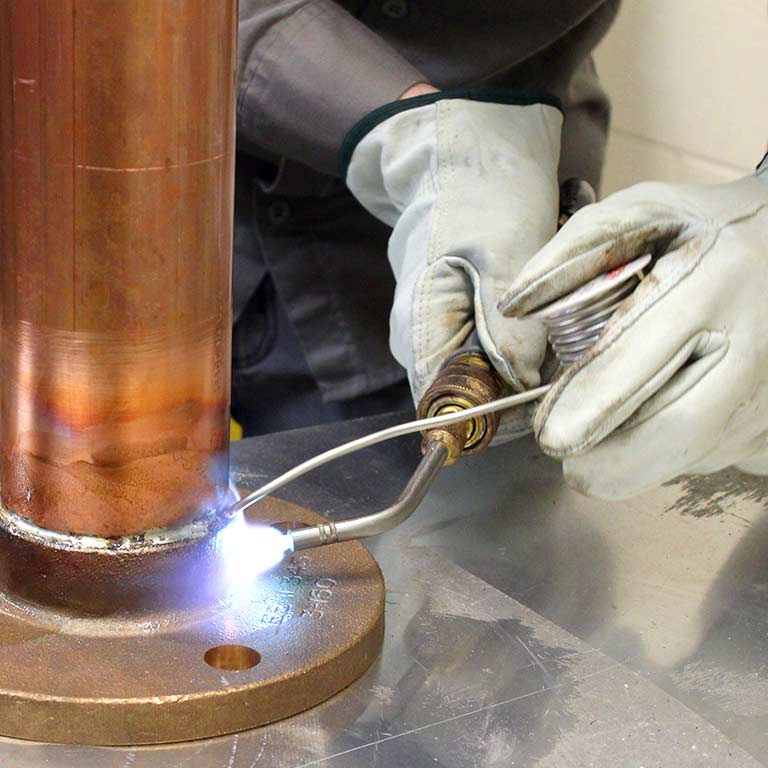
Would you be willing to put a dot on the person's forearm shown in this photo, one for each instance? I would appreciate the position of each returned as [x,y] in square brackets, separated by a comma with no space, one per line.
[307,72]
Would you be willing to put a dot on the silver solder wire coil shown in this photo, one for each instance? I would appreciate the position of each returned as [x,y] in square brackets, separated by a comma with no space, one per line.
[575,322]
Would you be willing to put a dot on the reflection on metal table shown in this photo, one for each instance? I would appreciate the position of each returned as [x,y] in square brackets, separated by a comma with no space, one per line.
[526,625]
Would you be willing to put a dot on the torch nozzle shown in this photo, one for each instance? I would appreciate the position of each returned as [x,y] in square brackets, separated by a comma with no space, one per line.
[434,458]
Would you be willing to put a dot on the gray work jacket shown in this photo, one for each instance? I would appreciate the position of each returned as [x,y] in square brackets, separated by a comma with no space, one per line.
[308,70]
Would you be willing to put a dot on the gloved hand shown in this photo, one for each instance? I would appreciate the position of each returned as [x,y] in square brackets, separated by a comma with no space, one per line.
[678,383]
[469,184]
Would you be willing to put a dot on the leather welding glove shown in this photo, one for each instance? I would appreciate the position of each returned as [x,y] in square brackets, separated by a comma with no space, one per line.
[468,181]
[678,382]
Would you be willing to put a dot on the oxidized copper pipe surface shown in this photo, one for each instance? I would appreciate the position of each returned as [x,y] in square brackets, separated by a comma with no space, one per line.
[117,135]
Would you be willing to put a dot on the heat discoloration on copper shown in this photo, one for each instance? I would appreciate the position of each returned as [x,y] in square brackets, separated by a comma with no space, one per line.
[116,176]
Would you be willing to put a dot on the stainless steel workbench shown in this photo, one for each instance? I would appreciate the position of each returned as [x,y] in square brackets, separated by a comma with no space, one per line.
[526,625]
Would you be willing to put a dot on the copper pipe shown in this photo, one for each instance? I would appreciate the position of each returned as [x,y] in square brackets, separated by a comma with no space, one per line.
[117,151]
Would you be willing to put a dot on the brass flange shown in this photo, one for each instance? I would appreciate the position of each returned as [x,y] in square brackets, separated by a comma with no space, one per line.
[118,649]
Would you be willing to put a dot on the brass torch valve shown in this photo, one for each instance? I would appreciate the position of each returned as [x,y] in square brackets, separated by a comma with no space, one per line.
[466,379]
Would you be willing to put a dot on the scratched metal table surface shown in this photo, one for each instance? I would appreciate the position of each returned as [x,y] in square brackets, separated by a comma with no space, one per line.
[526,625]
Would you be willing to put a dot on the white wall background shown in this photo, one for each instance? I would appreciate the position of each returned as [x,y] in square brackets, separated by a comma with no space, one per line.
[689,85]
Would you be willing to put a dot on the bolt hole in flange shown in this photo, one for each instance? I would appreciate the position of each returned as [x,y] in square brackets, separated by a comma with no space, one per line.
[233,658]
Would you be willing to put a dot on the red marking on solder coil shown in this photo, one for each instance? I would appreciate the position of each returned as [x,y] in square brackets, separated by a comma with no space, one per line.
[616,272]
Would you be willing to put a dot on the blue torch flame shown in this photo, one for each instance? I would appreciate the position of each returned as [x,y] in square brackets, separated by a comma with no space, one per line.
[250,549]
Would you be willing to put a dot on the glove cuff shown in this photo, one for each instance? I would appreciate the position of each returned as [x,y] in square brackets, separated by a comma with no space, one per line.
[492,95]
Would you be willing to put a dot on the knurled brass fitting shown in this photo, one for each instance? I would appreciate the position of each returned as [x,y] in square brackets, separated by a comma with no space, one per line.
[466,379]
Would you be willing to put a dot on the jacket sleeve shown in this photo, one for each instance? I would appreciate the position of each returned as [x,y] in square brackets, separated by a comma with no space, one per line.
[307,72]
